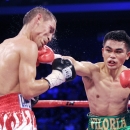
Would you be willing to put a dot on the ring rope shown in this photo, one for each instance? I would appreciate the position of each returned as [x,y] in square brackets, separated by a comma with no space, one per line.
[63,103]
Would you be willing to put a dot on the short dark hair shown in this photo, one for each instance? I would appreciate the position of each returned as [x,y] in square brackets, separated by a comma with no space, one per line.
[33,12]
[118,35]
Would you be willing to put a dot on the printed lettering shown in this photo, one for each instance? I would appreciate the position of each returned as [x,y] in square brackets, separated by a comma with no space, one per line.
[117,123]
[123,123]
[112,123]
[98,126]
[24,103]
[107,123]
[71,103]
[93,122]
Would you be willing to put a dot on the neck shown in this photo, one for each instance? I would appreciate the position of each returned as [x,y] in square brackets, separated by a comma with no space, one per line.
[25,32]
[114,73]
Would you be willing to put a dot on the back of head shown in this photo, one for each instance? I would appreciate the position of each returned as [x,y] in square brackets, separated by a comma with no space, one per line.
[47,15]
[118,35]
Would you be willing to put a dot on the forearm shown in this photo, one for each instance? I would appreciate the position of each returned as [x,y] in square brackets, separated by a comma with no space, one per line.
[62,70]
[81,68]
[77,64]
[34,88]
[73,61]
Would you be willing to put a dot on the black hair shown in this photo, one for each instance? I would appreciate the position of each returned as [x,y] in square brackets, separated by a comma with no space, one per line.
[118,35]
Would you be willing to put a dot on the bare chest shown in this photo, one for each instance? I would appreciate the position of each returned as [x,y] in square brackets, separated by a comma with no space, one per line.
[106,90]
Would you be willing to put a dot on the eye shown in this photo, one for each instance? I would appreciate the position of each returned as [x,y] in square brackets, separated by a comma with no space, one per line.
[52,30]
[108,50]
[118,52]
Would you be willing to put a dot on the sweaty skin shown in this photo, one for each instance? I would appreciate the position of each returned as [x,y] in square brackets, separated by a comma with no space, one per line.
[105,94]
[18,59]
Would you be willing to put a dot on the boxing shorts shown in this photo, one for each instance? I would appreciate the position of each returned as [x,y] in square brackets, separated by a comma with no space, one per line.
[16,113]
[118,122]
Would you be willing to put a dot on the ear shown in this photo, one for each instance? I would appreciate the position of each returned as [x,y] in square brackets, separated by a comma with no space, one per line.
[128,55]
[102,52]
[38,18]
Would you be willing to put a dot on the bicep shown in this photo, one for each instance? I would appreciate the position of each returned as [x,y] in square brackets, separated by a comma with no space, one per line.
[27,66]
[83,68]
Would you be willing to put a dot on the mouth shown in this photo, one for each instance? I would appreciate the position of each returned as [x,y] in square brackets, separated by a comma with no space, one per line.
[42,43]
[111,63]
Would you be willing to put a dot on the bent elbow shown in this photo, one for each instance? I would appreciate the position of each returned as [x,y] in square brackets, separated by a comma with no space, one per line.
[26,96]
[26,92]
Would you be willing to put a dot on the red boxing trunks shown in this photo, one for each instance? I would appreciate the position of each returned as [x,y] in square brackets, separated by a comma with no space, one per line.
[16,113]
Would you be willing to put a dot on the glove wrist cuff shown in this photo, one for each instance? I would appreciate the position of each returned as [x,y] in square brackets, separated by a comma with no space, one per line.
[55,78]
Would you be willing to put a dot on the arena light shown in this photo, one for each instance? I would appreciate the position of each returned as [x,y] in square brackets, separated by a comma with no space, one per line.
[70,8]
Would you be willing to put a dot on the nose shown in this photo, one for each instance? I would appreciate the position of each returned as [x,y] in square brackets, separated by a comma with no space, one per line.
[49,37]
[112,55]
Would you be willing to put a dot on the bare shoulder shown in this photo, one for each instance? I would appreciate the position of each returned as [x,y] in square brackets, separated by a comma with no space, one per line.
[91,66]
[124,68]
[20,43]
[100,64]
[28,53]
[27,43]
[27,46]
[86,68]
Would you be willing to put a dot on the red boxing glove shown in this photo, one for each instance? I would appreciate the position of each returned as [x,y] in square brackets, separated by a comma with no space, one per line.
[125,78]
[45,55]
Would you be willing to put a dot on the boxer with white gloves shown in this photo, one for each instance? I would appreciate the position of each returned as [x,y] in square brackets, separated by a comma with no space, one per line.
[18,70]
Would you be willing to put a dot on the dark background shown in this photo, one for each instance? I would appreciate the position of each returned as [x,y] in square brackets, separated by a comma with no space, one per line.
[80,32]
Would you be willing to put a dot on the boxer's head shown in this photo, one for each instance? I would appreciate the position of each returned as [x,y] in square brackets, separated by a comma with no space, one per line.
[116,48]
[118,35]
[47,15]
[42,25]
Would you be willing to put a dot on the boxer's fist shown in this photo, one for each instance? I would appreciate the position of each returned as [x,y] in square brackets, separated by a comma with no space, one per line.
[65,66]
[62,70]
[125,78]
[45,55]
[34,100]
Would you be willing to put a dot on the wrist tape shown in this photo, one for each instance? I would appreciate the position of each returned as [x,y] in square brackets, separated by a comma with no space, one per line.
[55,78]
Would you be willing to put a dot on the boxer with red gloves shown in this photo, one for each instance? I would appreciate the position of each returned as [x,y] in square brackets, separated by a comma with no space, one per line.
[125,78]
[108,100]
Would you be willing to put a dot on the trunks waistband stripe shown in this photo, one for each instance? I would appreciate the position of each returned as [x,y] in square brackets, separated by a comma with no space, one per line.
[119,122]
[14,101]
[90,115]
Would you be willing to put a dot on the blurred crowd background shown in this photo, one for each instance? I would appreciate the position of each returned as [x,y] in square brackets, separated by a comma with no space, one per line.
[81,27]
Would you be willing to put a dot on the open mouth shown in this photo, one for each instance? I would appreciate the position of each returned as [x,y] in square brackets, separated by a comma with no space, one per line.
[111,63]
[43,43]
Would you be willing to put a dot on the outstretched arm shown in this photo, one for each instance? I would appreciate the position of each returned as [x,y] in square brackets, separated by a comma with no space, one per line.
[46,55]
[82,68]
